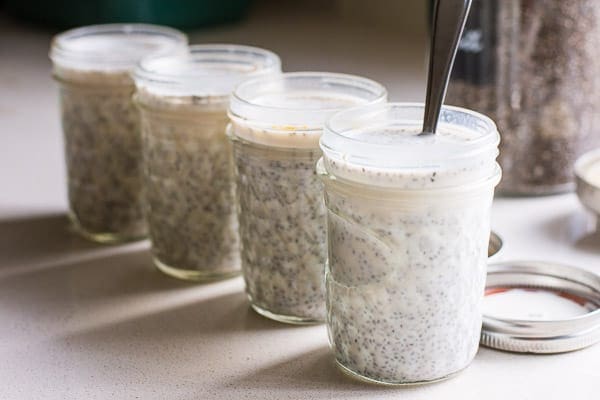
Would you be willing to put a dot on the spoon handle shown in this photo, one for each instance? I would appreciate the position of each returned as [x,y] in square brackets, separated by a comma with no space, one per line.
[449,18]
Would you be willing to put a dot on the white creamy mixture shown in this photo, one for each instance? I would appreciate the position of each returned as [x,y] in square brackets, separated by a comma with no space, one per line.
[407,267]
[292,135]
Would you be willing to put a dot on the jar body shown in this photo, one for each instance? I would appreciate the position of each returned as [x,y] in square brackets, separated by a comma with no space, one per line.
[533,67]
[103,156]
[100,122]
[276,124]
[282,229]
[189,189]
[405,278]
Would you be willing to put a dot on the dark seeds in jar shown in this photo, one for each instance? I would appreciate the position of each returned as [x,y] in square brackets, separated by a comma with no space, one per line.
[189,188]
[103,155]
[537,77]
[282,227]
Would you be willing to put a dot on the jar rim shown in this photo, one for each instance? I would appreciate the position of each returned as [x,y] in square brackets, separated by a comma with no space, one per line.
[340,141]
[301,100]
[205,69]
[68,49]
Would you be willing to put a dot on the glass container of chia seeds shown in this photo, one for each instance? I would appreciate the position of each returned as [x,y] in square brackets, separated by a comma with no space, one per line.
[533,66]
[187,161]
[275,127]
[408,220]
[100,124]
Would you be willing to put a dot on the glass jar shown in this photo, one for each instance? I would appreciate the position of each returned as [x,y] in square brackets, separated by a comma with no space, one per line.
[275,128]
[533,66]
[187,161]
[408,220]
[100,124]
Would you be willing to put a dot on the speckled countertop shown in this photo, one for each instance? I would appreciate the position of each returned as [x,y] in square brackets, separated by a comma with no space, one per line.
[87,321]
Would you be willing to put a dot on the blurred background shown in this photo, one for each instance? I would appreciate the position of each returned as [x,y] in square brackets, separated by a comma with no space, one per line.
[380,39]
[193,14]
[343,35]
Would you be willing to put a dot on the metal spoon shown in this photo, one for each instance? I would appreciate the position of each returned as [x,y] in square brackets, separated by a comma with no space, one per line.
[449,18]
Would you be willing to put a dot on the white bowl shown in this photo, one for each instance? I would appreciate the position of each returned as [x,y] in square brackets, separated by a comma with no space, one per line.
[587,176]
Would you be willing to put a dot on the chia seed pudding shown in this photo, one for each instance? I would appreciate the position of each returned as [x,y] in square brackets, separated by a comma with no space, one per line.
[187,163]
[101,124]
[408,229]
[276,126]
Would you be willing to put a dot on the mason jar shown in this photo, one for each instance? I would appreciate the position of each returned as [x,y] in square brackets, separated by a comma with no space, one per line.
[533,67]
[187,160]
[100,123]
[275,128]
[408,220]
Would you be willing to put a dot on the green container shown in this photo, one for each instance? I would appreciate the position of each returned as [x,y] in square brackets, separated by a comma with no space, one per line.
[183,14]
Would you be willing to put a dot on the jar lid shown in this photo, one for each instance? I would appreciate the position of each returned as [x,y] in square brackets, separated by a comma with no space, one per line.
[205,70]
[296,102]
[381,145]
[539,307]
[113,46]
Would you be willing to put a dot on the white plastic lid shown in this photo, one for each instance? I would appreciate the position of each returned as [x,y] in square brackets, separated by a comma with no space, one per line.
[301,100]
[205,70]
[383,141]
[113,46]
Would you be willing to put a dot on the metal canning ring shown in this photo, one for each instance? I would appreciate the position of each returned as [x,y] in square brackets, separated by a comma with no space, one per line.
[543,335]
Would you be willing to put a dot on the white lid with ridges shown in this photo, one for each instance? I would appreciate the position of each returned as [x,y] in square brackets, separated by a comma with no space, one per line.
[113,47]
[290,110]
[205,70]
